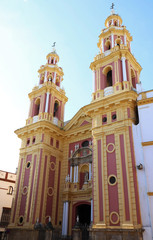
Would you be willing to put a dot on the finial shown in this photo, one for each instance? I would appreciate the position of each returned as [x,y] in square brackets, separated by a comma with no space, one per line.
[112,7]
[53,44]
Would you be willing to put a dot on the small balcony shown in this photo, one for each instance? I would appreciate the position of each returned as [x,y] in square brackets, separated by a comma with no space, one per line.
[108,91]
[35,119]
[55,121]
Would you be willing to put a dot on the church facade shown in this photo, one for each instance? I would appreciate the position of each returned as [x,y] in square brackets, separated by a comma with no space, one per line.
[83,173]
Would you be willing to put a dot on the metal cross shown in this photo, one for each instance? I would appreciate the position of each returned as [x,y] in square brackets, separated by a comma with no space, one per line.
[112,7]
[53,44]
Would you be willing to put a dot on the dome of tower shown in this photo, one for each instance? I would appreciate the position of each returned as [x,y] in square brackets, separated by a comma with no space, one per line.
[53,54]
[113,20]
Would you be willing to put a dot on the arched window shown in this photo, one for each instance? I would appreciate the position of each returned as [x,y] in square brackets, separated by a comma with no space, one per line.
[110,22]
[37,107]
[52,61]
[118,41]
[115,23]
[10,190]
[109,78]
[56,108]
[108,45]
[85,144]
[57,82]
[133,78]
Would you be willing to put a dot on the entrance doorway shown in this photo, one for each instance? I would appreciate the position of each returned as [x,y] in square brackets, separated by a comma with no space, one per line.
[84,213]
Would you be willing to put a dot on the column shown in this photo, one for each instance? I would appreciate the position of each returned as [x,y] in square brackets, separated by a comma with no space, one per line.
[63,222]
[125,40]
[91,218]
[76,173]
[71,174]
[47,101]
[54,60]
[50,60]
[112,38]
[45,78]
[54,77]
[102,44]
[89,171]
[66,216]
[124,69]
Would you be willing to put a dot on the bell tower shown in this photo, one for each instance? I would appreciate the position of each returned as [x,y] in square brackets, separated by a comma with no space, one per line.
[114,111]
[36,199]
[115,68]
[48,98]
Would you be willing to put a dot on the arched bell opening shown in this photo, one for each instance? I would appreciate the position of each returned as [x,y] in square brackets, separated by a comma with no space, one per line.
[115,23]
[108,45]
[50,78]
[41,79]
[118,42]
[37,107]
[109,82]
[108,79]
[56,109]
[133,78]
[57,82]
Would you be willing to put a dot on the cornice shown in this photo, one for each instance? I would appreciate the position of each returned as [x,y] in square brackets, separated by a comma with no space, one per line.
[42,125]
[102,60]
[51,68]
[116,31]
[51,88]
[145,101]
[149,143]
[106,102]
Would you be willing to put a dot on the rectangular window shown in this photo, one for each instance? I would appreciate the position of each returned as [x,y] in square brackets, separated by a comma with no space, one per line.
[51,141]
[5,218]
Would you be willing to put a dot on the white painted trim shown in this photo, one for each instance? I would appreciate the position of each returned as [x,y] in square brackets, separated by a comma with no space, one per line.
[45,78]
[63,223]
[47,101]
[102,45]
[124,69]
[125,43]
[112,38]
[54,77]
[90,171]
[71,174]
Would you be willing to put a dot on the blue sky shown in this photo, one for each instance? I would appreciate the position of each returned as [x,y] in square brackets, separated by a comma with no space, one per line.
[29,27]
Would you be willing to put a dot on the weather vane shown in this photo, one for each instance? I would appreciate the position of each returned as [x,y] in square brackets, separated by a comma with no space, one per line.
[112,7]
[53,44]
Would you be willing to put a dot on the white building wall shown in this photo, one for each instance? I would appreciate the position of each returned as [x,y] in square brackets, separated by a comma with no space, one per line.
[143,134]
[146,120]
[142,184]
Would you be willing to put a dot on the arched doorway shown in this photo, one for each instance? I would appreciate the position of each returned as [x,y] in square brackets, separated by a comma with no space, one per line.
[84,213]
[83,210]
